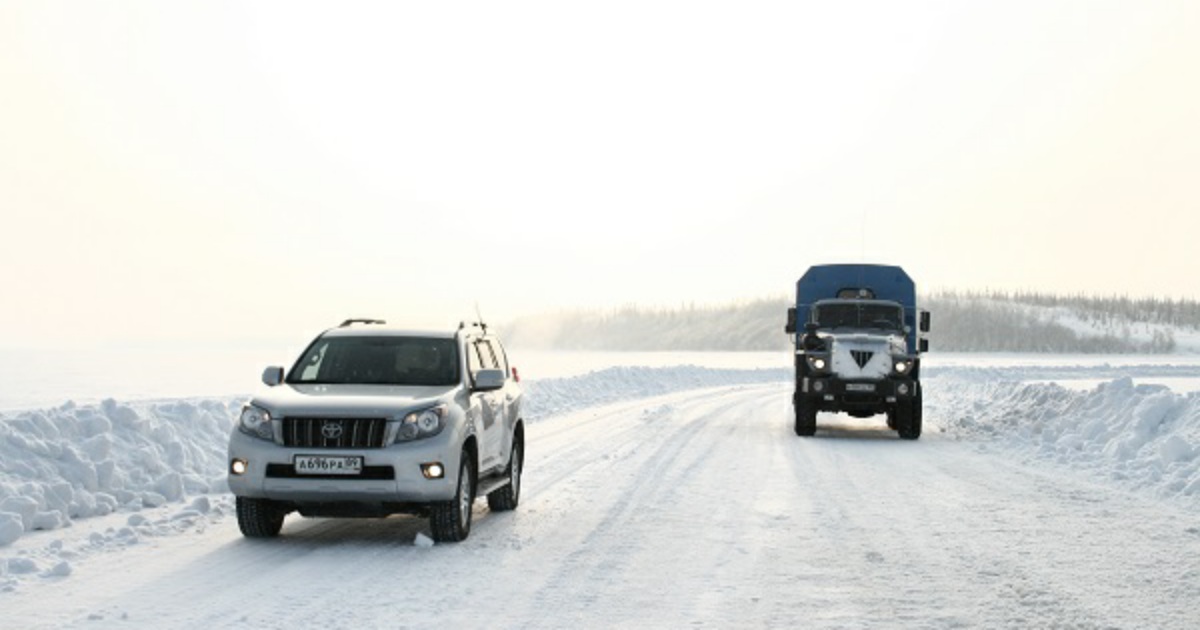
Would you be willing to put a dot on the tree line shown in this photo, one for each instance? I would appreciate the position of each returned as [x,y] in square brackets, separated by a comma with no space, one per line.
[991,321]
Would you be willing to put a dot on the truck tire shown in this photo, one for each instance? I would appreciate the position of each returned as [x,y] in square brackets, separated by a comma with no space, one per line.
[259,518]
[908,421]
[806,417]
[450,521]
[506,498]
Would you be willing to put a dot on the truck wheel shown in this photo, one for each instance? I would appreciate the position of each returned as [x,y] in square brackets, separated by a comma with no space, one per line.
[806,418]
[908,422]
[450,520]
[506,498]
[259,518]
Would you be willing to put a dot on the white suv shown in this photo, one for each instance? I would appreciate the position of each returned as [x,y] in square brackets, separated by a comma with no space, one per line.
[374,421]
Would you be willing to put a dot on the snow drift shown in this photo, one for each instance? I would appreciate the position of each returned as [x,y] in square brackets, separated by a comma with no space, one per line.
[1145,436]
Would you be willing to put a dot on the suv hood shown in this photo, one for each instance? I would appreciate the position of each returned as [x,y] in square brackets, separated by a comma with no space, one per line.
[376,401]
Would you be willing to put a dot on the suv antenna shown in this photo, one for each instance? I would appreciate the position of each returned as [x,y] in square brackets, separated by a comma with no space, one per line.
[479,316]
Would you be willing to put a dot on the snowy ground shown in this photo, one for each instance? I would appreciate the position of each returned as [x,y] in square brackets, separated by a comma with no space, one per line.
[654,497]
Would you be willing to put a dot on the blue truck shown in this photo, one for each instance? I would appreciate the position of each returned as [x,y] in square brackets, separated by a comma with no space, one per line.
[858,341]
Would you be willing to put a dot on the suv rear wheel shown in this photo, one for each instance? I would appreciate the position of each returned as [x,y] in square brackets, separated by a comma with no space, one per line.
[451,520]
[506,498]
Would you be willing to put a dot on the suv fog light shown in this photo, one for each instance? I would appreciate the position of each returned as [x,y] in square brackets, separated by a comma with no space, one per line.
[902,389]
[238,466]
[818,386]
[433,471]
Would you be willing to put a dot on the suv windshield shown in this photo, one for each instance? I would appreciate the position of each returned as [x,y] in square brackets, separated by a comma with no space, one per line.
[859,314]
[382,360]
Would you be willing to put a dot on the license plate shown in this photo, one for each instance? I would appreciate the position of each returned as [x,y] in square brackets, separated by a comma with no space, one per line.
[860,387]
[327,465]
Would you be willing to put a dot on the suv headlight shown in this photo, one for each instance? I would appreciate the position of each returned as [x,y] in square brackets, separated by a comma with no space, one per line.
[256,421]
[902,366]
[422,424]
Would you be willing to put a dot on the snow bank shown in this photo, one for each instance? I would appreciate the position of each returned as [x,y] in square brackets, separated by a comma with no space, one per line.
[1144,436]
[553,396]
[72,462]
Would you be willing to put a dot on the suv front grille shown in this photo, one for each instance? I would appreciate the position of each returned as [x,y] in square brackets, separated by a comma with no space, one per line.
[334,432]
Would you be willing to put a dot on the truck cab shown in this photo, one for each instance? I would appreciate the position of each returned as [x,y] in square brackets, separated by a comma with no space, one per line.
[858,341]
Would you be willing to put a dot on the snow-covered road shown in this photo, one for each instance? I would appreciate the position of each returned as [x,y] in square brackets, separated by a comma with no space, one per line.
[697,508]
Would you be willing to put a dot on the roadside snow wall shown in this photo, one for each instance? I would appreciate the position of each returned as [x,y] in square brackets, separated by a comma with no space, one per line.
[1144,436]
[70,462]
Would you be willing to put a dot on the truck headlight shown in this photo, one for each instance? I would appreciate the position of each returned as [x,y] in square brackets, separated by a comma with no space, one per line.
[818,363]
[422,424]
[255,421]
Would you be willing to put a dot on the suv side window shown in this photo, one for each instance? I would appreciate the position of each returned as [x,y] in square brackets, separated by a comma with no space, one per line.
[499,355]
[473,362]
[480,356]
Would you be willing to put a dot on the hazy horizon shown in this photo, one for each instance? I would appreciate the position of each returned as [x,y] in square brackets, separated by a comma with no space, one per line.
[214,170]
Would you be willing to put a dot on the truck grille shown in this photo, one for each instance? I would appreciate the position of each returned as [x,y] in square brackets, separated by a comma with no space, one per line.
[334,432]
[862,357]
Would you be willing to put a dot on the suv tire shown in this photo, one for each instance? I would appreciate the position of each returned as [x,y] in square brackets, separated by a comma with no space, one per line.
[506,498]
[450,520]
[259,518]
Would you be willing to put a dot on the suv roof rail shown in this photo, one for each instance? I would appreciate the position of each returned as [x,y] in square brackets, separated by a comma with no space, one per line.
[361,321]
[466,324]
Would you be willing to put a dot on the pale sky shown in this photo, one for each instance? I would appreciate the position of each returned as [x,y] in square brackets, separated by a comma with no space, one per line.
[228,170]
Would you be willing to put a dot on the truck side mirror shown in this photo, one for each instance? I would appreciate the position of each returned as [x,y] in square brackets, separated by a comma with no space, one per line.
[790,327]
[923,345]
[924,321]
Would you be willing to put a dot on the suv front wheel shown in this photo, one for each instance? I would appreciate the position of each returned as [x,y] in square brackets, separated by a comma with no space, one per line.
[451,520]
[259,518]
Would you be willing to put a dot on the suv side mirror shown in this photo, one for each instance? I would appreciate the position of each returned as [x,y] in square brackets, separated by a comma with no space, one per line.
[923,345]
[272,376]
[487,380]
[924,321]
[790,327]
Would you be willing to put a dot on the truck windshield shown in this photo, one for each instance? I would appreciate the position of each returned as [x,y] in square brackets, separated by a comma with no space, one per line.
[380,360]
[859,314]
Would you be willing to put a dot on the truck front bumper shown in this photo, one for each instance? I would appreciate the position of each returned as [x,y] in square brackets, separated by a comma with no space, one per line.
[835,394]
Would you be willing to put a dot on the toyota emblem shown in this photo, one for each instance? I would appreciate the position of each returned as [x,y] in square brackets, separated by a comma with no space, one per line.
[331,430]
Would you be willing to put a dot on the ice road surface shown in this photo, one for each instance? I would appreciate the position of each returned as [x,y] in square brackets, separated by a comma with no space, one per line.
[654,497]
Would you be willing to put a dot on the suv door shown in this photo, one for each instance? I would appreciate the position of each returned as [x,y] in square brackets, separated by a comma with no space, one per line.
[480,355]
[510,399]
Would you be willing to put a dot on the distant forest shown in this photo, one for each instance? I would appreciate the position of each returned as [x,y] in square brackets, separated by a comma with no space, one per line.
[962,322]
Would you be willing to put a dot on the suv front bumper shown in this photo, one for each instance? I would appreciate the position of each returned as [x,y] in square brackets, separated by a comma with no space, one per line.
[390,475]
